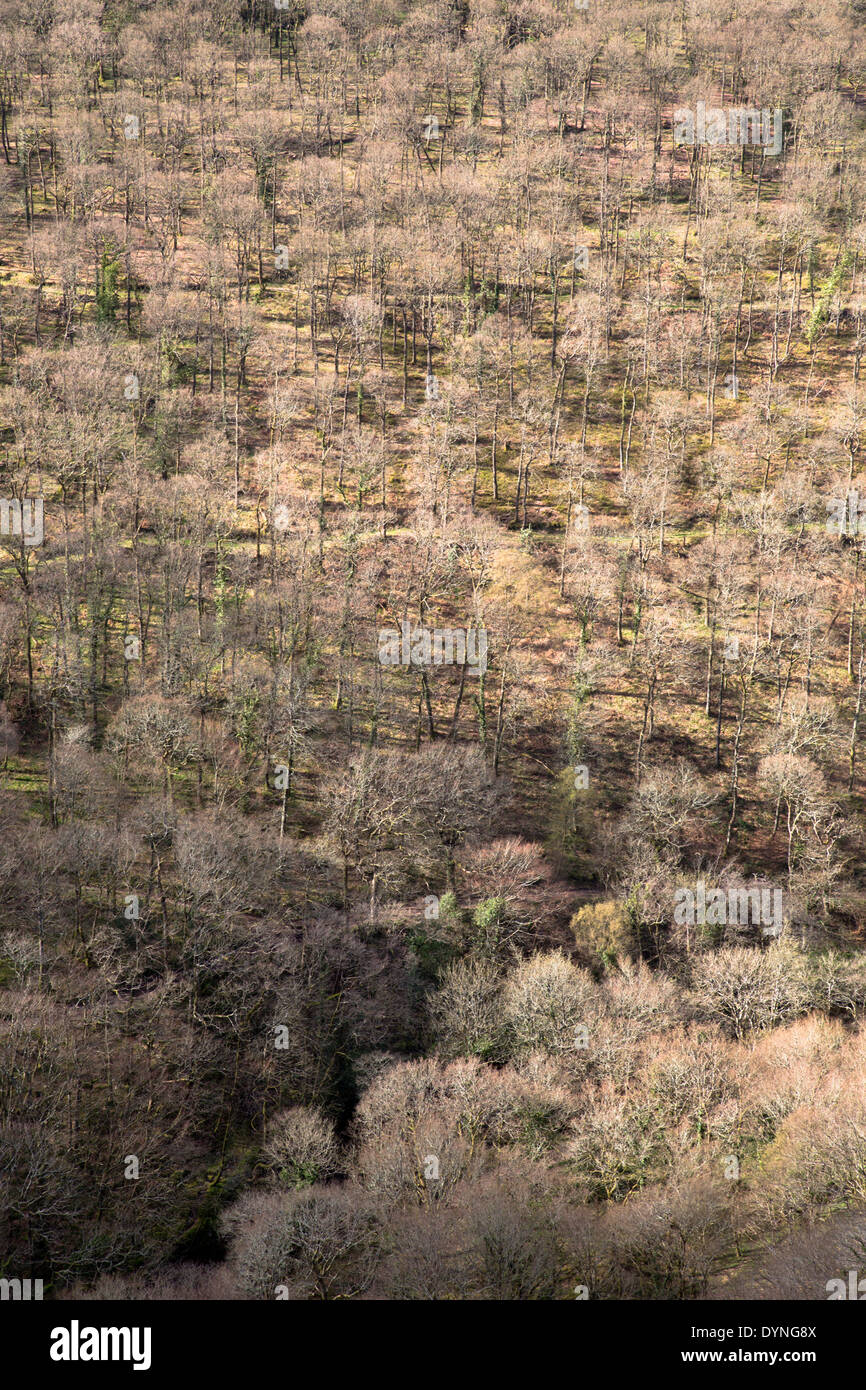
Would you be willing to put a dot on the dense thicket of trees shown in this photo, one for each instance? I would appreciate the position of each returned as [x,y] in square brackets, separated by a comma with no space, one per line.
[329,975]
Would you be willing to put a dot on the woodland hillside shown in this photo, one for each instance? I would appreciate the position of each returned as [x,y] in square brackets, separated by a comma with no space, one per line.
[432,647]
